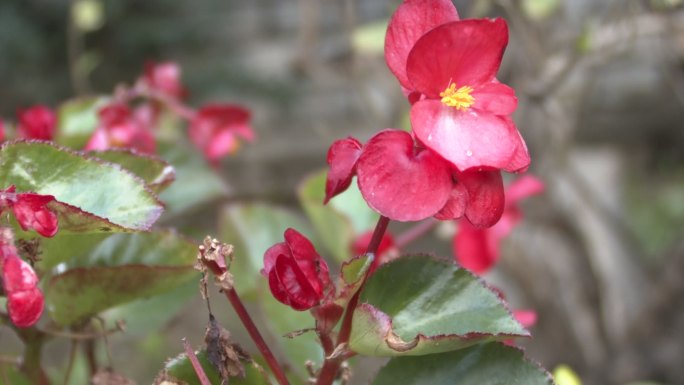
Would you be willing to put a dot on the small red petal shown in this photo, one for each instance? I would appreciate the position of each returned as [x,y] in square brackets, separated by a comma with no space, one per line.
[411,20]
[466,53]
[17,275]
[25,307]
[527,318]
[469,139]
[164,77]
[486,199]
[342,157]
[400,182]
[300,294]
[214,127]
[456,205]
[272,254]
[310,263]
[474,249]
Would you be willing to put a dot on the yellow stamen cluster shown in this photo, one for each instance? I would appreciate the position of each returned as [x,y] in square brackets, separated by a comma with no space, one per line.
[459,98]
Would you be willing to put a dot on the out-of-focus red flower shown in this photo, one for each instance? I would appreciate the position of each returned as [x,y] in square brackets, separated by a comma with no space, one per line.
[447,68]
[215,129]
[387,249]
[477,249]
[2,131]
[30,210]
[24,299]
[119,128]
[297,275]
[37,122]
[406,182]
[164,77]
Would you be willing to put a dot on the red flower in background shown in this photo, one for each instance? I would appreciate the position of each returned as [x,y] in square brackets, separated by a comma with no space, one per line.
[30,210]
[477,249]
[215,129]
[119,128]
[24,299]
[2,131]
[164,77]
[297,275]
[447,68]
[37,122]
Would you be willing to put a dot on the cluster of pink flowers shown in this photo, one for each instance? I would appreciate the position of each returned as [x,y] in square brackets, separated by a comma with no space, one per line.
[215,129]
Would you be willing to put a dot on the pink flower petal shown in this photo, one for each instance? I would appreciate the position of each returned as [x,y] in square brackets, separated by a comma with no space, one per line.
[399,181]
[456,205]
[496,98]
[25,307]
[409,22]
[272,254]
[474,249]
[486,199]
[32,212]
[469,139]
[37,122]
[466,53]
[342,157]
[523,187]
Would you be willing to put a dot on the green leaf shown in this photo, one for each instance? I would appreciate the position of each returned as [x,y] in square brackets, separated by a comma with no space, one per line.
[196,184]
[180,368]
[540,9]
[418,305]
[485,364]
[122,268]
[156,173]
[370,38]
[252,229]
[77,119]
[92,196]
[12,375]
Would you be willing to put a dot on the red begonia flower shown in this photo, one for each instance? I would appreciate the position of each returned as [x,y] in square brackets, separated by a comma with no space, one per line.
[215,129]
[37,122]
[342,157]
[31,210]
[118,128]
[24,300]
[164,77]
[297,275]
[477,249]
[447,68]
[400,181]
[2,131]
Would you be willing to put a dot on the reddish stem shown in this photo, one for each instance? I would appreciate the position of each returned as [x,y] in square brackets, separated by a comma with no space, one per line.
[332,366]
[415,232]
[256,336]
[204,380]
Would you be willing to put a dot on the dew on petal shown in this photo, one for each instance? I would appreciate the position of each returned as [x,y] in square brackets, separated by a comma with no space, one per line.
[469,153]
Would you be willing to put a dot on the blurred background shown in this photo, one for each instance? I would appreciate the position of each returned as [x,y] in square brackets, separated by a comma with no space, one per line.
[599,256]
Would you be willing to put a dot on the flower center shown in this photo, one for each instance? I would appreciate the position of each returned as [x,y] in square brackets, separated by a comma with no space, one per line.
[459,98]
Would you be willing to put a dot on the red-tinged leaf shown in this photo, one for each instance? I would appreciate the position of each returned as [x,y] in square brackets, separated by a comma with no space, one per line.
[342,157]
[462,311]
[486,199]
[469,139]
[465,53]
[400,182]
[411,20]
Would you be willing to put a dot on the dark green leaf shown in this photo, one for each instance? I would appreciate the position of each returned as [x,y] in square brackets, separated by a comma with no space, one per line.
[419,305]
[92,196]
[122,268]
[484,364]
[156,173]
[180,368]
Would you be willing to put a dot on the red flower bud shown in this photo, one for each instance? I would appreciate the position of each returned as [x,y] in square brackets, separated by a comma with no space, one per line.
[297,275]
[31,210]
[24,300]
[164,77]
[37,122]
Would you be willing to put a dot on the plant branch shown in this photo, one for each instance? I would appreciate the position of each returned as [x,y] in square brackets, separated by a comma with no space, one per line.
[331,366]
[247,321]
[204,380]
